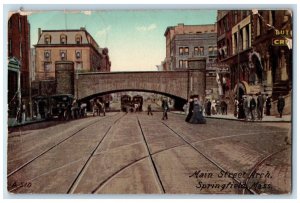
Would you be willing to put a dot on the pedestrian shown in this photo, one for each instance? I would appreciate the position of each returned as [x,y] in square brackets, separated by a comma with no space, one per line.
[236,106]
[246,106]
[241,113]
[197,115]
[103,108]
[23,111]
[268,105]
[149,110]
[95,108]
[74,109]
[224,107]
[252,107]
[41,106]
[208,108]
[186,108]
[165,107]
[107,105]
[19,115]
[280,105]
[190,113]
[260,106]
[213,107]
[218,106]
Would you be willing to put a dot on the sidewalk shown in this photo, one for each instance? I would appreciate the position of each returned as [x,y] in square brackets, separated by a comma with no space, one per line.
[285,118]
[11,122]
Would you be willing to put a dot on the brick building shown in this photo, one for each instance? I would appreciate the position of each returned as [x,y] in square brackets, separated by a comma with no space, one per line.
[18,53]
[187,41]
[276,60]
[192,42]
[260,65]
[234,35]
[77,46]
[246,45]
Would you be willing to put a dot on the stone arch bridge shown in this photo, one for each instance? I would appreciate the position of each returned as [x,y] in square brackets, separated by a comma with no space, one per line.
[177,84]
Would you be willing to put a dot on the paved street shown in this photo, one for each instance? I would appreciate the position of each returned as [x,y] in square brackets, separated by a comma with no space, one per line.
[136,154]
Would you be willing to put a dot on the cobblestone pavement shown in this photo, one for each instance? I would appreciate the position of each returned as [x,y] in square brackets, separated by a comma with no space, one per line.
[138,154]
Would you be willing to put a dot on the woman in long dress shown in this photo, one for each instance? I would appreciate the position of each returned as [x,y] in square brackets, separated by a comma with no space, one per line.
[197,117]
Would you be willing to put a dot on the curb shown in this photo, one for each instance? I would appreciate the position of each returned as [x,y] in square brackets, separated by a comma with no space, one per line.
[249,121]
[239,120]
[25,124]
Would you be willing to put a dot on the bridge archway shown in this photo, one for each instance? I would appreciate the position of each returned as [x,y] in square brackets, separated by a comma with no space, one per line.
[179,101]
[175,84]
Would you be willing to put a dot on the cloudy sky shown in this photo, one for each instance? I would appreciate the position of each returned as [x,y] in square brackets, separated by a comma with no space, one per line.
[135,38]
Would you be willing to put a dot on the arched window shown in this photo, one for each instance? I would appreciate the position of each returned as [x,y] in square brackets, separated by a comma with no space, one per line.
[78,39]
[63,39]
[47,39]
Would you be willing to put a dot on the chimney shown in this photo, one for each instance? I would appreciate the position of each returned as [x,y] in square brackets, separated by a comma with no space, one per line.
[39,32]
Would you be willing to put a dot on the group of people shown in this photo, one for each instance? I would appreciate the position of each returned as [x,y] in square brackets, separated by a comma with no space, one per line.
[249,107]
[215,107]
[195,112]
[78,109]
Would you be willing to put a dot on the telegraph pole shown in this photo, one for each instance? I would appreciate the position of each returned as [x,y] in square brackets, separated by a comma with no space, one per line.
[238,63]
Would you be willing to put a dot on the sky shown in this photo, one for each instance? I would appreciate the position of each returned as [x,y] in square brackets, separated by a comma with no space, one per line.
[135,38]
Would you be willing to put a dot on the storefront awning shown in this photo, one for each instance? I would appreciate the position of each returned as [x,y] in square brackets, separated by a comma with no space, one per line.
[14,64]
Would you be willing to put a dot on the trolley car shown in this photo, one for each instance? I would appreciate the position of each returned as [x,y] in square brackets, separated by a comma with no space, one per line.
[126,104]
[138,100]
[60,106]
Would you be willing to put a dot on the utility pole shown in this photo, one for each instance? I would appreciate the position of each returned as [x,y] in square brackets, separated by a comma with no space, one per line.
[238,63]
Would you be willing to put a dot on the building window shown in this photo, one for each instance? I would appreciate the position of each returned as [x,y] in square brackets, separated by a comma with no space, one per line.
[196,51]
[63,39]
[47,39]
[180,50]
[47,55]
[186,51]
[241,41]
[78,39]
[78,54]
[210,50]
[180,63]
[227,50]
[47,68]
[233,44]
[201,51]
[247,37]
[63,55]
[185,64]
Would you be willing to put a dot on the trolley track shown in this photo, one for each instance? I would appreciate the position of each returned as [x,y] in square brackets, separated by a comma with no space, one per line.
[154,168]
[76,181]
[258,164]
[209,159]
[54,146]
[149,156]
